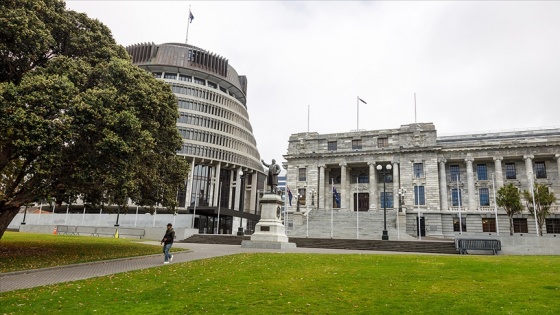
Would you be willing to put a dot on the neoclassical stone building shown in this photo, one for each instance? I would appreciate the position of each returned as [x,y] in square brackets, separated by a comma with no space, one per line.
[441,184]
[218,138]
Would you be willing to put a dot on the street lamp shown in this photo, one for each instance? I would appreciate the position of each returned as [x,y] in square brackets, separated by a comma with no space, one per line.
[402,192]
[384,172]
[241,205]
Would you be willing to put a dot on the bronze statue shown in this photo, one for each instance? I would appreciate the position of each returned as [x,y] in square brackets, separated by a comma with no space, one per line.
[272,178]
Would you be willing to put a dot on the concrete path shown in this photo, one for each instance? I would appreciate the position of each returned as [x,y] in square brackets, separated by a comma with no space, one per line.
[39,277]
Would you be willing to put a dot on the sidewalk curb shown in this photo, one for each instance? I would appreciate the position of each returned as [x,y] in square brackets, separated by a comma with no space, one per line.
[29,271]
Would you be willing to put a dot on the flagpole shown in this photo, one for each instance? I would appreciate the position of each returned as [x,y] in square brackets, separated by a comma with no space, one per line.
[357,113]
[357,212]
[307,118]
[286,197]
[459,198]
[417,201]
[495,204]
[189,20]
[332,207]
[415,108]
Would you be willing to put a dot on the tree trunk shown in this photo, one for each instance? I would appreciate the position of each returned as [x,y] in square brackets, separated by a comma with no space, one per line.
[7,214]
[511,226]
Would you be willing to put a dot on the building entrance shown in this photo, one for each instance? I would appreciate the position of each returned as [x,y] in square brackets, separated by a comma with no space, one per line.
[363,202]
[421,230]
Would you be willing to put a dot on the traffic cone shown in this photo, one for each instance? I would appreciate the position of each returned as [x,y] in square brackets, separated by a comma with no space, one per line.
[55,231]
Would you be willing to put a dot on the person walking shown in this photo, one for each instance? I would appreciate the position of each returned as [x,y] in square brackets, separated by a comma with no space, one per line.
[167,242]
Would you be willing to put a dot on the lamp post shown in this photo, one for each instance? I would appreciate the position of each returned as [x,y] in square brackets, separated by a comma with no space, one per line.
[384,172]
[240,231]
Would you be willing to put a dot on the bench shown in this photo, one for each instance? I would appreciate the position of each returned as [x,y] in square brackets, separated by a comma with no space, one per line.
[122,231]
[86,230]
[132,232]
[104,231]
[65,229]
[464,244]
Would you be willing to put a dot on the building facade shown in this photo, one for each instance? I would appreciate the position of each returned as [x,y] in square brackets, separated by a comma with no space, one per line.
[433,186]
[226,172]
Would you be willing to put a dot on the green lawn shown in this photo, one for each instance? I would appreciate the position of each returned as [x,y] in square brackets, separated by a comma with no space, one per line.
[311,284]
[23,251]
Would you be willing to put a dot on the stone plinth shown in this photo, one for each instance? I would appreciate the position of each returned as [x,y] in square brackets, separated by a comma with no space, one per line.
[269,232]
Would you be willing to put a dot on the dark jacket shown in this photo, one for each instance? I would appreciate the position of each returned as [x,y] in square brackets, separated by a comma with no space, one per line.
[168,237]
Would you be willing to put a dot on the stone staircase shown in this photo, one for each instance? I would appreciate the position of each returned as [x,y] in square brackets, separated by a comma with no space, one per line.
[432,247]
[370,225]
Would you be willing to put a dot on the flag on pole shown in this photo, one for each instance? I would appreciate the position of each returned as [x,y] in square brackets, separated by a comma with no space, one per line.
[290,196]
[362,100]
[336,198]
[191,17]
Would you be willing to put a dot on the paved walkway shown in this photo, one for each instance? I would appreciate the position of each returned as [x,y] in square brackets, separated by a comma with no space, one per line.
[39,277]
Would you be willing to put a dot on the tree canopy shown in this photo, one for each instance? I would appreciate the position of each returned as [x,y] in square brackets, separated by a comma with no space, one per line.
[540,200]
[508,197]
[77,117]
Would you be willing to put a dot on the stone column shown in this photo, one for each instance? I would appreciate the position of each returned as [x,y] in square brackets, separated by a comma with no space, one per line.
[498,172]
[230,198]
[190,184]
[322,190]
[396,180]
[372,186]
[237,188]
[251,205]
[216,193]
[529,170]
[557,156]
[443,185]
[470,183]
[328,191]
[343,184]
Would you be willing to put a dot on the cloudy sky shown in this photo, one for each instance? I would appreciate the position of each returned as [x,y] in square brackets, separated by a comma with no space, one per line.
[474,66]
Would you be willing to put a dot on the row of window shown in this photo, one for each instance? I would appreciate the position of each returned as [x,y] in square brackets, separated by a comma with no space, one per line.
[454,170]
[218,154]
[188,78]
[519,225]
[216,139]
[511,173]
[386,198]
[208,95]
[214,110]
[420,197]
[215,124]
[483,197]
[357,144]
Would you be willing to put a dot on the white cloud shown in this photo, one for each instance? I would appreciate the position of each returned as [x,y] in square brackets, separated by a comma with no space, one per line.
[474,65]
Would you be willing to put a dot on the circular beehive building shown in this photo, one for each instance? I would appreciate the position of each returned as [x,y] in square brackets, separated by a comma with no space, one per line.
[218,140]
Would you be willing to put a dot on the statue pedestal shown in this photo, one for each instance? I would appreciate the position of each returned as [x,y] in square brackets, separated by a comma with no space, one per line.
[269,232]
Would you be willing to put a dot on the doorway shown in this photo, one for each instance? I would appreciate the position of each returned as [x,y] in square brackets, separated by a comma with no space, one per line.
[363,202]
[421,231]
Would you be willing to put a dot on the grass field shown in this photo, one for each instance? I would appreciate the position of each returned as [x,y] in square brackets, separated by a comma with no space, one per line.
[311,284]
[23,251]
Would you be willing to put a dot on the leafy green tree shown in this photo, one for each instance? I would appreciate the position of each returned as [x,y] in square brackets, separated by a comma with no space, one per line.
[77,117]
[544,200]
[509,198]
